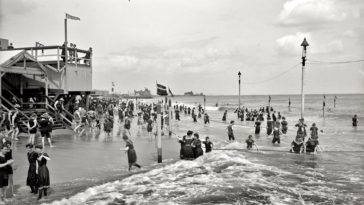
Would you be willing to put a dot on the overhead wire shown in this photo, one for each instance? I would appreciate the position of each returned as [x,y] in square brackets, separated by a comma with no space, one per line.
[274,77]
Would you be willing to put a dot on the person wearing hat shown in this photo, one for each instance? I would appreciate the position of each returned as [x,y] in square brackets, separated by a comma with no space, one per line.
[32,176]
[32,127]
[58,106]
[186,151]
[132,157]
[43,172]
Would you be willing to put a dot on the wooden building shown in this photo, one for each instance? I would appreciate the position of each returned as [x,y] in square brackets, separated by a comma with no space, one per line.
[34,77]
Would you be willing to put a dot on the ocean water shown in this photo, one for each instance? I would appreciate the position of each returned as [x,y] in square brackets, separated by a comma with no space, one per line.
[271,176]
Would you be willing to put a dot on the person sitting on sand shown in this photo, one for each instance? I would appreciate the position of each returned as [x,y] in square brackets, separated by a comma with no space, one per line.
[250,142]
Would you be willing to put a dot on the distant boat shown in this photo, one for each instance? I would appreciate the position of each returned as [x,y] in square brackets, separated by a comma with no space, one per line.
[190,93]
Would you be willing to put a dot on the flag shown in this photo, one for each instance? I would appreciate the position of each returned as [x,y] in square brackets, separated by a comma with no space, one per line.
[170,92]
[161,89]
[72,17]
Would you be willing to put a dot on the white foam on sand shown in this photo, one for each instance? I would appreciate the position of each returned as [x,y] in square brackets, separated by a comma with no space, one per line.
[217,177]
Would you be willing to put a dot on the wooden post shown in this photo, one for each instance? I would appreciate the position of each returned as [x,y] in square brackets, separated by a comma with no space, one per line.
[46,90]
[87,101]
[170,116]
[21,93]
[159,133]
[58,59]
[1,88]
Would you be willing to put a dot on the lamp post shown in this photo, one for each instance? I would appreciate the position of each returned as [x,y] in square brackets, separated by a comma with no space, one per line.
[239,74]
[304,44]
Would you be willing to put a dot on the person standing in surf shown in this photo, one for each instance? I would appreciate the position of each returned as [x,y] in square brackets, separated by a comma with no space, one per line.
[230,131]
[196,145]
[150,128]
[132,157]
[208,144]
[257,126]
[4,177]
[224,116]
[32,177]
[297,145]
[276,135]
[284,124]
[206,119]
[43,172]
[250,142]
[355,121]
[32,127]
[186,148]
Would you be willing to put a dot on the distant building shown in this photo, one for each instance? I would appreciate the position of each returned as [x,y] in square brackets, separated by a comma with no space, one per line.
[143,93]
[4,43]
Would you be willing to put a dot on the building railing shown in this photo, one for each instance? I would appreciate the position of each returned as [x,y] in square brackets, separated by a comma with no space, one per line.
[57,54]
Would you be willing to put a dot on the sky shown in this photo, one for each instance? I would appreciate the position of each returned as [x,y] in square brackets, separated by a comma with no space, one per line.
[201,45]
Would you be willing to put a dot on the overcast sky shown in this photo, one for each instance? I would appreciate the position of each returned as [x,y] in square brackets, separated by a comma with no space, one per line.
[200,45]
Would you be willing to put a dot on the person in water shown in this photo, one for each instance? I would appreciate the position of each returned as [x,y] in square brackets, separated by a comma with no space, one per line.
[206,118]
[284,124]
[4,178]
[355,121]
[269,125]
[276,135]
[43,172]
[208,144]
[250,142]
[32,177]
[297,145]
[257,126]
[312,144]
[301,131]
[132,157]
[224,116]
[196,145]
[32,127]
[186,148]
[230,131]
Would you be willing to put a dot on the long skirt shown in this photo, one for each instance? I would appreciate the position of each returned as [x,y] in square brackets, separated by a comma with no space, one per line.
[32,177]
[43,177]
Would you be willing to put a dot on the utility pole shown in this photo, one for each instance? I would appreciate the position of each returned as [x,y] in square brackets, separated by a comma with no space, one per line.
[304,44]
[239,74]
[159,133]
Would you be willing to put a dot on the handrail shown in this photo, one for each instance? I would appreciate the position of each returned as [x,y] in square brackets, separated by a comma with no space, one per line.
[7,88]
[7,109]
[63,117]
[14,107]
[52,101]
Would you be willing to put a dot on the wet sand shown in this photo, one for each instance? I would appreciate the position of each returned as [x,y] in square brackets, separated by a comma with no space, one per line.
[79,162]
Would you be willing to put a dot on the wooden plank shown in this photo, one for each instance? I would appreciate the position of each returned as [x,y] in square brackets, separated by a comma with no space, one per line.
[21,70]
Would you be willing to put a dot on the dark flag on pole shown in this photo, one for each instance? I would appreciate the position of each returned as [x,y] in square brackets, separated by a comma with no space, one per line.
[72,17]
[170,92]
[161,90]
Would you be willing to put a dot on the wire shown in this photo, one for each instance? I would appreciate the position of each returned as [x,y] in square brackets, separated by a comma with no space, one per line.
[335,62]
[274,77]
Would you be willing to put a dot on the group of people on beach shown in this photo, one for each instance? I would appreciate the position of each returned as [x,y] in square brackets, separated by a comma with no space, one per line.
[191,145]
